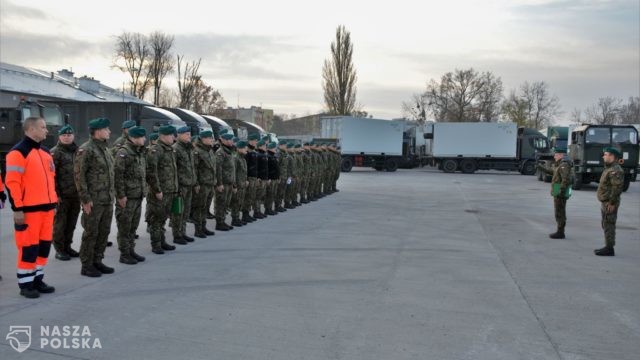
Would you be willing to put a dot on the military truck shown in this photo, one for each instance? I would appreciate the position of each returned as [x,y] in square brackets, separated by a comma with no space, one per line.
[14,110]
[558,136]
[585,150]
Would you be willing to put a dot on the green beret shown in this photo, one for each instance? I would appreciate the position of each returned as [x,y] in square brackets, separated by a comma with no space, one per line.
[206,134]
[137,132]
[241,144]
[167,130]
[297,146]
[289,145]
[611,150]
[66,129]
[272,145]
[227,136]
[254,136]
[265,138]
[261,143]
[128,124]
[184,129]
[99,123]
[223,131]
[236,139]
[559,150]
[153,136]
[282,142]
[306,144]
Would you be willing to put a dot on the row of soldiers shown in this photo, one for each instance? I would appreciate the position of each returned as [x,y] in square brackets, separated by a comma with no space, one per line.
[180,177]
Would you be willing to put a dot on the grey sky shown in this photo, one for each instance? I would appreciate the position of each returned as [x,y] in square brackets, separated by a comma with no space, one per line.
[271,53]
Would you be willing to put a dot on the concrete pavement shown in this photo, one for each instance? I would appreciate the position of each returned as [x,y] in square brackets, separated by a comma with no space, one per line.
[415,264]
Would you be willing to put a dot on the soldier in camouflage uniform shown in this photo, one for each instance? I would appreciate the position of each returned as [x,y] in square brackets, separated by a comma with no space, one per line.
[66,217]
[162,178]
[283,170]
[337,166]
[291,166]
[609,191]
[274,179]
[186,184]
[131,187]
[205,166]
[252,177]
[237,200]
[153,139]
[225,180]
[123,137]
[263,180]
[561,182]
[93,173]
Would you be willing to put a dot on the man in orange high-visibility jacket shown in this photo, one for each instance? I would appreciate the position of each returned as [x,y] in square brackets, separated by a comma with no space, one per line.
[30,181]
[3,198]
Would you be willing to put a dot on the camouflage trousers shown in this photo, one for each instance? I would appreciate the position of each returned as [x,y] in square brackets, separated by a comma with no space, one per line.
[210,196]
[64,223]
[158,211]
[261,190]
[249,195]
[97,226]
[128,219]
[179,221]
[609,224]
[201,206]
[269,195]
[223,199]
[280,195]
[237,202]
[560,210]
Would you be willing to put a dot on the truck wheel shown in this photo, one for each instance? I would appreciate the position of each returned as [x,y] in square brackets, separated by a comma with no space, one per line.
[391,165]
[449,166]
[346,165]
[626,183]
[378,168]
[528,168]
[577,182]
[468,166]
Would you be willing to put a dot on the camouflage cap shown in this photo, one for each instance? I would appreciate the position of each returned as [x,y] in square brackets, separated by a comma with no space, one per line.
[99,123]
[137,132]
[128,124]
[66,129]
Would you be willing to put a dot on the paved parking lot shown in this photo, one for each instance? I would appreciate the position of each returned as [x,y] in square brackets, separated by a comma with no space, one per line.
[415,264]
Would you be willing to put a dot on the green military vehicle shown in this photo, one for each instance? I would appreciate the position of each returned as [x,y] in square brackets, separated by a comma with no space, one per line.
[587,143]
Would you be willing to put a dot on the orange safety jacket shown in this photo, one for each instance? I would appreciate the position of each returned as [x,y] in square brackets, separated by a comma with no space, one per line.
[30,177]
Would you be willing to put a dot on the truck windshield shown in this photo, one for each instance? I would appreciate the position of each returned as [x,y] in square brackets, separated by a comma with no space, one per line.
[540,143]
[52,116]
[598,136]
[624,136]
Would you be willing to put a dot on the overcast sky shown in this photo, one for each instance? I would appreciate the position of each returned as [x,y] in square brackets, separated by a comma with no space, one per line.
[270,53]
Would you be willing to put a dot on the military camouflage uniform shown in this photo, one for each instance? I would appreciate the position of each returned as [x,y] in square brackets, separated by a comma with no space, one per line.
[117,145]
[283,163]
[205,167]
[561,171]
[93,172]
[162,177]
[261,184]
[237,198]
[272,186]
[251,159]
[609,190]
[130,182]
[186,184]
[225,176]
[66,217]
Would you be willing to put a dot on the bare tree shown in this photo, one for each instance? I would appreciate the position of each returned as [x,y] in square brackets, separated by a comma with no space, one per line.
[489,97]
[188,78]
[207,99]
[605,112]
[576,116]
[339,76]
[630,112]
[416,108]
[132,56]
[533,106]
[161,60]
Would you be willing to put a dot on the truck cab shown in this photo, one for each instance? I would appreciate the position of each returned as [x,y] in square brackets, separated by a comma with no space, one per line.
[587,143]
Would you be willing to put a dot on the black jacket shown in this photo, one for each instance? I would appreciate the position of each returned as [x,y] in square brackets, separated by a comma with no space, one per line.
[252,163]
[263,165]
[274,171]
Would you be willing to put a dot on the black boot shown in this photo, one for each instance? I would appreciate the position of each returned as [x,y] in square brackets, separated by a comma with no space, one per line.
[280,209]
[188,238]
[42,287]
[128,259]
[90,271]
[236,222]
[246,217]
[167,247]
[208,232]
[558,234]
[139,258]
[29,293]
[157,250]
[71,252]
[210,216]
[179,240]
[605,251]
[221,226]
[103,268]
[63,256]
[199,233]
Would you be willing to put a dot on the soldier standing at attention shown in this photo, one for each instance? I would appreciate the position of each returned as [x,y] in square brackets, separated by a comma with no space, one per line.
[263,179]
[93,168]
[30,174]
[162,178]
[237,200]
[225,180]
[274,178]
[283,170]
[131,187]
[252,176]
[205,167]
[123,137]
[609,190]
[66,218]
[186,184]
[560,185]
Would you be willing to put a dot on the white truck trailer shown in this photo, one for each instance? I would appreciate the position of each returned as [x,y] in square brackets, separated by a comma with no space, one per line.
[380,144]
[468,147]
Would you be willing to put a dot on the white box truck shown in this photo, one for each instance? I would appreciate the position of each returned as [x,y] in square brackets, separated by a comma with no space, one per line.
[365,142]
[468,147]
